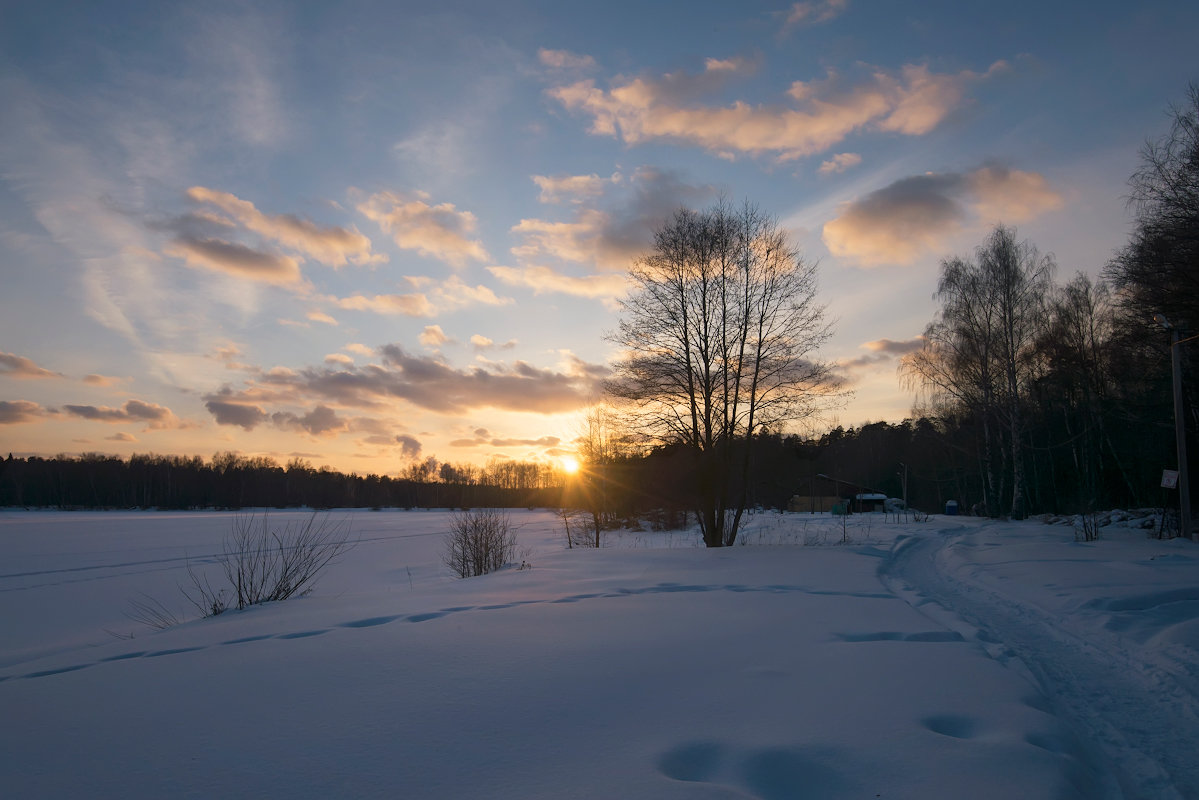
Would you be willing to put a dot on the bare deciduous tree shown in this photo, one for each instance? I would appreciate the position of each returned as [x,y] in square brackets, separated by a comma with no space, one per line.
[720,334]
[979,352]
[1158,270]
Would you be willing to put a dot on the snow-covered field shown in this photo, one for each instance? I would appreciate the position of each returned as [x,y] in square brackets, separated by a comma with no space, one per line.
[956,658]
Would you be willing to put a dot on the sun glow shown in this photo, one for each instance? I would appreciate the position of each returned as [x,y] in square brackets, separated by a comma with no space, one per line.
[570,464]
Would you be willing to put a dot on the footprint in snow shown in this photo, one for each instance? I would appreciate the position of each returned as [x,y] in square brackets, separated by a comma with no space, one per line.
[771,773]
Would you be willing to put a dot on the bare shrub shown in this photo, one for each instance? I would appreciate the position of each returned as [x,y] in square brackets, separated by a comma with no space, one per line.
[580,526]
[479,542]
[814,538]
[263,564]
[208,601]
[151,613]
[260,564]
[1086,529]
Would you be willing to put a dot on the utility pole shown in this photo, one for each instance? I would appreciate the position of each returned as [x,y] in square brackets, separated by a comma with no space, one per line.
[1180,424]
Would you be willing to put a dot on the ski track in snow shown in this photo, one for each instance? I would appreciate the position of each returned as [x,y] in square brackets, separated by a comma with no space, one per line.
[1137,709]
[370,622]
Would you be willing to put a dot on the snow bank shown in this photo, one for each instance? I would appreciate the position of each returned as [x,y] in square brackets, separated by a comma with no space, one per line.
[652,668]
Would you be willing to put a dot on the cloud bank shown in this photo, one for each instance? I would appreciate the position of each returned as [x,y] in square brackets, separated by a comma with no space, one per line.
[913,216]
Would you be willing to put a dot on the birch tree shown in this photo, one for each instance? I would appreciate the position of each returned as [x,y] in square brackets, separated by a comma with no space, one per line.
[979,352]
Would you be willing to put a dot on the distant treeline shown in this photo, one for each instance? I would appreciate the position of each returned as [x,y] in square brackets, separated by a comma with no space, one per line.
[233,481]
[941,460]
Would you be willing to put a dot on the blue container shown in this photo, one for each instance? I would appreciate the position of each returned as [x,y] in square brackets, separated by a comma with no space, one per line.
[951,508]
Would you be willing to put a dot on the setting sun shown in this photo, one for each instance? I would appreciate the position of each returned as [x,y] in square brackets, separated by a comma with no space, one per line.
[570,464]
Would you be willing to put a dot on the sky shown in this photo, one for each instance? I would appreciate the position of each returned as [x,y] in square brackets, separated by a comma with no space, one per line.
[364,233]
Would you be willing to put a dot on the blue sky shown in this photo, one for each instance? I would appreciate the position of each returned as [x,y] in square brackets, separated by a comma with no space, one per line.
[366,232]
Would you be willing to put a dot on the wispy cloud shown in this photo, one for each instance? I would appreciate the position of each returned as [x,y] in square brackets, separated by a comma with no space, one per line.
[482,343]
[916,215]
[321,317]
[14,366]
[564,60]
[881,351]
[572,188]
[449,295]
[236,55]
[822,113]
[415,304]
[892,347]
[812,12]
[481,441]
[104,381]
[332,245]
[611,237]
[235,259]
[839,163]
[437,231]
[605,286]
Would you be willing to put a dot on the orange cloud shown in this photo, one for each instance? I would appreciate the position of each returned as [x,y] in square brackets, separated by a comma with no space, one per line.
[321,316]
[1011,195]
[646,109]
[437,231]
[544,279]
[14,366]
[433,336]
[449,295]
[572,188]
[408,305]
[839,163]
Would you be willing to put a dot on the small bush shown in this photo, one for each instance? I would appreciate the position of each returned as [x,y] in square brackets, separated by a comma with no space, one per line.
[262,564]
[1086,529]
[479,542]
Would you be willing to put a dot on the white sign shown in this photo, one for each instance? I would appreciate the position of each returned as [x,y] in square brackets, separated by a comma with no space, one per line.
[1169,479]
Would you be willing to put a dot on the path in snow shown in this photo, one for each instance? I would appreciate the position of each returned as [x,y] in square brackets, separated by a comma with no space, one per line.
[1136,709]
